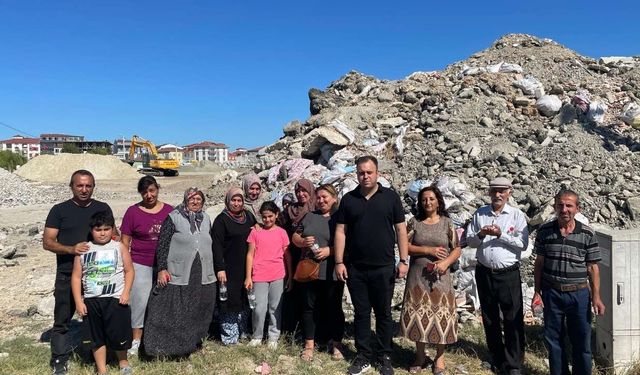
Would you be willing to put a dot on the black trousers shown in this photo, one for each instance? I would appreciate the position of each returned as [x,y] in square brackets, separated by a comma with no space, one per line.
[502,292]
[372,287]
[322,315]
[63,311]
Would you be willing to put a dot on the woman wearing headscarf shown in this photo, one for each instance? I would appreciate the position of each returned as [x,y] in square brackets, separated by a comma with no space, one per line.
[229,233]
[305,193]
[252,194]
[181,305]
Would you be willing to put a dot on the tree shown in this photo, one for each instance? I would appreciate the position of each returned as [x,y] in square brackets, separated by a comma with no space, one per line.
[70,148]
[10,160]
[99,151]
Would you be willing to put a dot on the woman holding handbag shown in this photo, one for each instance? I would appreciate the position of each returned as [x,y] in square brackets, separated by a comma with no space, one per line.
[322,317]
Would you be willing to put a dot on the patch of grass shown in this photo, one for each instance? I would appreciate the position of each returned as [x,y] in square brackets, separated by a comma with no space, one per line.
[29,357]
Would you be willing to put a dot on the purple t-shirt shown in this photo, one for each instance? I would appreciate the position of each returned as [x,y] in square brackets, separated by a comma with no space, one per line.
[144,229]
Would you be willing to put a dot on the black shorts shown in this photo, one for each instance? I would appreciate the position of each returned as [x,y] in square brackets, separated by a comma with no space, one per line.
[107,323]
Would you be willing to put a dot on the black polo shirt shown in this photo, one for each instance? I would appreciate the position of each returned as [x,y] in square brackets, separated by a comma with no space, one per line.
[370,228]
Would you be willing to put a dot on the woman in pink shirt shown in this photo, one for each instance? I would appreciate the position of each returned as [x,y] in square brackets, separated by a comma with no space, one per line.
[140,228]
[268,266]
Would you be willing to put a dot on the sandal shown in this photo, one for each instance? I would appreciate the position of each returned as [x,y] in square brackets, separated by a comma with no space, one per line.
[336,350]
[416,369]
[438,371]
[307,354]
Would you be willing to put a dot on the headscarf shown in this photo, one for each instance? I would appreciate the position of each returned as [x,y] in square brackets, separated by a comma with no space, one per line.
[252,206]
[241,217]
[195,218]
[296,211]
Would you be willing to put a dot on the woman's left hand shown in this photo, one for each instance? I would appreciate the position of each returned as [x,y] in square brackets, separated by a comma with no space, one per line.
[288,285]
[323,253]
[440,267]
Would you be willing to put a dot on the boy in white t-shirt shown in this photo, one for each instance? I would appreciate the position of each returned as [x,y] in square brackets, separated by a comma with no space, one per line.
[101,282]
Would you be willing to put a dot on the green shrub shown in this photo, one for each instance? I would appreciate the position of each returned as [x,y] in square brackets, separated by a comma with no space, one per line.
[10,161]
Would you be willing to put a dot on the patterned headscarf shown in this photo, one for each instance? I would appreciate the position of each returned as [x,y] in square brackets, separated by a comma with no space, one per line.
[240,217]
[297,210]
[195,218]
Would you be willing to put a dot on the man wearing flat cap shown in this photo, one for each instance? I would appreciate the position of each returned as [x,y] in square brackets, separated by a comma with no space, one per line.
[499,232]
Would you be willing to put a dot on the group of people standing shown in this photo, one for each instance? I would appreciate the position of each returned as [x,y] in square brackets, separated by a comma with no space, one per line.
[174,269]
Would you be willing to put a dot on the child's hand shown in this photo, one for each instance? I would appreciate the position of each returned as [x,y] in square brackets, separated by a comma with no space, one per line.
[248,284]
[81,309]
[124,298]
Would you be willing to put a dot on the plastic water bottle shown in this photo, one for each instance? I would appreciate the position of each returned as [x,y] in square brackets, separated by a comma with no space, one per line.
[223,291]
[538,310]
[251,296]
[315,248]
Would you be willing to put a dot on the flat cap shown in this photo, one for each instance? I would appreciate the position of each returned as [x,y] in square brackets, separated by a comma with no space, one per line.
[500,182]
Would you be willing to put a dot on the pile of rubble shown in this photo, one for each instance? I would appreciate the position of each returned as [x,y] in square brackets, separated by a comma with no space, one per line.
[525,108]
[16,191]
[58,168]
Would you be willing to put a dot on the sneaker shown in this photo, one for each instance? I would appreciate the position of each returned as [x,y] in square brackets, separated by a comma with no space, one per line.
[273,345]
[255,342]
[126,370]
[135,345]
[60,368]
[360,365]
[385,366]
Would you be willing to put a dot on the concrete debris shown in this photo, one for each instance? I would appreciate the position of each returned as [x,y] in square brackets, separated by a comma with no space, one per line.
[484,117]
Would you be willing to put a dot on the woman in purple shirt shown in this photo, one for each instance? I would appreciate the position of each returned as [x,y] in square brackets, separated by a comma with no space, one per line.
[140,228]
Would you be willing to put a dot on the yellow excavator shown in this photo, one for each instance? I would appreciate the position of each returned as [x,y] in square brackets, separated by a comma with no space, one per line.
[151,164]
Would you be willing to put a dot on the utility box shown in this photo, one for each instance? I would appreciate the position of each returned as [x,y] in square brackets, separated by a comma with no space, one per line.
[618,330]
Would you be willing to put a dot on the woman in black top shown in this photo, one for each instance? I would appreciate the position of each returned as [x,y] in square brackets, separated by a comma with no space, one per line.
[229,234]
[322,317]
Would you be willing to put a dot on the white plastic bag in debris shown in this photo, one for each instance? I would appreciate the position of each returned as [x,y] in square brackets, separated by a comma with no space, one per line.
[530,86]
[503,67]
[414,188]
[631,114]
[342,158]
[596,111]
[343,129]
[549,105]
[400,139]
[467,285]
[371,138]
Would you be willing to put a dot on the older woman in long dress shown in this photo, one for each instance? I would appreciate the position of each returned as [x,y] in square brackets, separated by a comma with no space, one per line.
[181,305]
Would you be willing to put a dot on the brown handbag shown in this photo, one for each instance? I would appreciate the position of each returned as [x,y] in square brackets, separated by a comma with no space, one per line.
[307,270]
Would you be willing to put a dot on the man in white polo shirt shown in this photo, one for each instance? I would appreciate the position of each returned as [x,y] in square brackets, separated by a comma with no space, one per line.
[499,232]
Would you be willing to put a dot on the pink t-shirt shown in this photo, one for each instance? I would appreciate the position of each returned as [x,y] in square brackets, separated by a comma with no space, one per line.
[268,260]
[144,229]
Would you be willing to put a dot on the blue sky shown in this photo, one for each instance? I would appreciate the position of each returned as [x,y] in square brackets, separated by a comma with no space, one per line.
[238,71]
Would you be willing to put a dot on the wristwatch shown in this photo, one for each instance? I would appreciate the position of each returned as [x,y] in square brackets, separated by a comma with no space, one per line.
[404,261]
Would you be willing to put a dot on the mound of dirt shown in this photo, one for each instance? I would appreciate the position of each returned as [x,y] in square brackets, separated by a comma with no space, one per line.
[58,168]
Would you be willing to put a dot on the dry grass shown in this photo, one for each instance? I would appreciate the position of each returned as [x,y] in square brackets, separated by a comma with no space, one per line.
[466,356]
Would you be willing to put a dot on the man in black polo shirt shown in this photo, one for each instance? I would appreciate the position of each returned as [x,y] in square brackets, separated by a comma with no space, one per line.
[65,234]
[567,258]
[369,222]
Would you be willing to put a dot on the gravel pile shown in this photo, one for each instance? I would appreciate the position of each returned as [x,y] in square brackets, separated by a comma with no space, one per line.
[16,191]
[58,168]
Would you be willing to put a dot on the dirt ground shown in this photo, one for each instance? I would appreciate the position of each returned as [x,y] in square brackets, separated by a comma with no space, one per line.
[30,282]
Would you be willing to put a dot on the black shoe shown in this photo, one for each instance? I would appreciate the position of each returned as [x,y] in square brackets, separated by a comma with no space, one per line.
[60,368]
[385,366]
[360,365]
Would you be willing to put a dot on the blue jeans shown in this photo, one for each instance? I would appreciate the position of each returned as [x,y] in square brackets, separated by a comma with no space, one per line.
[568,313]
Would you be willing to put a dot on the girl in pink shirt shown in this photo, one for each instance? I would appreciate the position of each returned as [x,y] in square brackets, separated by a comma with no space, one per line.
[268,266]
